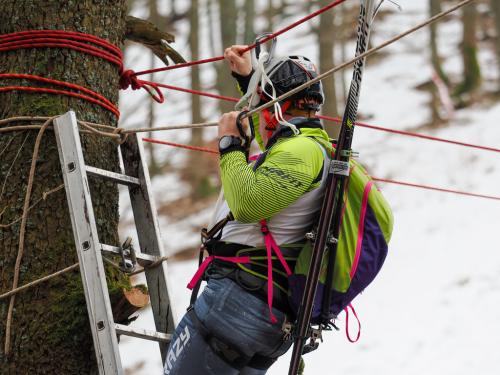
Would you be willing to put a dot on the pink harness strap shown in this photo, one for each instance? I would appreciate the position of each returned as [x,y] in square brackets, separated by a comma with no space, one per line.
[270,246]
[208,260]
[346,309]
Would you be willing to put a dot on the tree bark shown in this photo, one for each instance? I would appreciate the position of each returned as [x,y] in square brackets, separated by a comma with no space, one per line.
[50,330]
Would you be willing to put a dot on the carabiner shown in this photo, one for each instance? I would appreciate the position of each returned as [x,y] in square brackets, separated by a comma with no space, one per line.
[258,42]
[247,140]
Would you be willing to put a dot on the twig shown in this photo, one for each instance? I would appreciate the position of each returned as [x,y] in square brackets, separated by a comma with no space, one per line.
[22,233]
[38,281]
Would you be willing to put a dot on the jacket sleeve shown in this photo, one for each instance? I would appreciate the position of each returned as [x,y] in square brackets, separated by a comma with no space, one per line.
[287,173]
[242,81]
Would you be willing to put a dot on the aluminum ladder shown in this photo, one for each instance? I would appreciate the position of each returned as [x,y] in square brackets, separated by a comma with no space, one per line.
[89,248]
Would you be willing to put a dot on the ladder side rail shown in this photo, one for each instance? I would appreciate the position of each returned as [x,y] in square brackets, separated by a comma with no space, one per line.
[87,245]
[148,232]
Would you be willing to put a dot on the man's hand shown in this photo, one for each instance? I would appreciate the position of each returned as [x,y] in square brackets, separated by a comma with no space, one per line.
[227,124]
[239,62]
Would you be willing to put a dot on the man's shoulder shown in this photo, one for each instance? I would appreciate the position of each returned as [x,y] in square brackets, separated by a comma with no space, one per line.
[299,145]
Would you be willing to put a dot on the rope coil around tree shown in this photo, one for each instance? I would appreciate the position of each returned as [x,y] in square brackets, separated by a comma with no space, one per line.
[80,42]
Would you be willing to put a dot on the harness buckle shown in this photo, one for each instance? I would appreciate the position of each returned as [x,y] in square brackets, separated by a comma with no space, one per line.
[315,335]
[287,329]
[311,236]
[127,250]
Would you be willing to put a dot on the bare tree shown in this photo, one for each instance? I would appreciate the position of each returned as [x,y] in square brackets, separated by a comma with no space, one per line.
[471,69]
[249,12]
[228,16]
[154,167]
[495,7]
[435,8]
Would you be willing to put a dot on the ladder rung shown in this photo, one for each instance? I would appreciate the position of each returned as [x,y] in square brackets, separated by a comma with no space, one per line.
[112,176]
[143,333]
[142,259]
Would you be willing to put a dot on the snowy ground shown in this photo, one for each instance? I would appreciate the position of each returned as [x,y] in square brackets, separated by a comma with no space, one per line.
[434,308]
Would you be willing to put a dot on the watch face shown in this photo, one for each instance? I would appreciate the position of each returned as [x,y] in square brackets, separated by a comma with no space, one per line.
[225,142]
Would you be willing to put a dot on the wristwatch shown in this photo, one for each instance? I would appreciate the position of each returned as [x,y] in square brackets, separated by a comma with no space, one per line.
[229,143]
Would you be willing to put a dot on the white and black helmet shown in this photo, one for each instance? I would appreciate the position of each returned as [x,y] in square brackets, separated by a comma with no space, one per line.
[288,73]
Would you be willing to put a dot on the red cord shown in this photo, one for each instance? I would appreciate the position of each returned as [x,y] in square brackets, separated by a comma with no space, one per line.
[339,120]
[80,42]
[436,188]
[264,40]
[203,149]
[88,95]
[401,132]
[187,147]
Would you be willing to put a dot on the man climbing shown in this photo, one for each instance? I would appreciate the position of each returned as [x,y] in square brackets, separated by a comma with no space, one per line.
[240,324]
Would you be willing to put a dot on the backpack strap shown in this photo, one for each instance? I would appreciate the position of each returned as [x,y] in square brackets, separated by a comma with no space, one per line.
[270,246]
[201,270]
[346,309]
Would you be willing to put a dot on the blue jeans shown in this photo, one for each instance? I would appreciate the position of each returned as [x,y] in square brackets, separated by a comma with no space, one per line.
[236,317]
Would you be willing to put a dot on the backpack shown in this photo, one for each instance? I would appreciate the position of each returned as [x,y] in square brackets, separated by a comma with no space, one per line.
[366,228]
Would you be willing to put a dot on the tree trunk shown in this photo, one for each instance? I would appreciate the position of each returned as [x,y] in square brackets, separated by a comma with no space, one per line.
[471,69]
[194,169]
[228,15]
[154,167]
[326,37]
[495,7]
[50,330]
[435,8]
[249,33]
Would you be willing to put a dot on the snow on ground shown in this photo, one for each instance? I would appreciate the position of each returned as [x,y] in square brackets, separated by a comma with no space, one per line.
[434,308]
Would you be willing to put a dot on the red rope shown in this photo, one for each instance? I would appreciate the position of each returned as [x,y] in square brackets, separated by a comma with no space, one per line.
[196,92]
[264,40]
[436,188]
[339,120]
[187,147]
[418,135]
[80,42]
[88,95]
[203,149]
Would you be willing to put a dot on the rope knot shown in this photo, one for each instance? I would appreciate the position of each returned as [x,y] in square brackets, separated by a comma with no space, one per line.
[122,136]
[129,79]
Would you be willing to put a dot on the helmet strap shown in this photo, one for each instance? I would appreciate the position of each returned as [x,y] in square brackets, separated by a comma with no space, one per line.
[271,119]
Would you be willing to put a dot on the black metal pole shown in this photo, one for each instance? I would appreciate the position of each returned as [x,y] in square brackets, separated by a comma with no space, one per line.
[332,204]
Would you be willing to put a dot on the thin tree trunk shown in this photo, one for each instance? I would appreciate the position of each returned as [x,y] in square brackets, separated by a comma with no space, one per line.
[196,134]
[196,166]
[495,7]
[471,69]
[249,33]
[228,15]
[154,168]
[50,329]
[326,37]
[435,8]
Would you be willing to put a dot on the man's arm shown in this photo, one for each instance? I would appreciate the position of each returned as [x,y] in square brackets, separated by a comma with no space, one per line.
[287,173]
